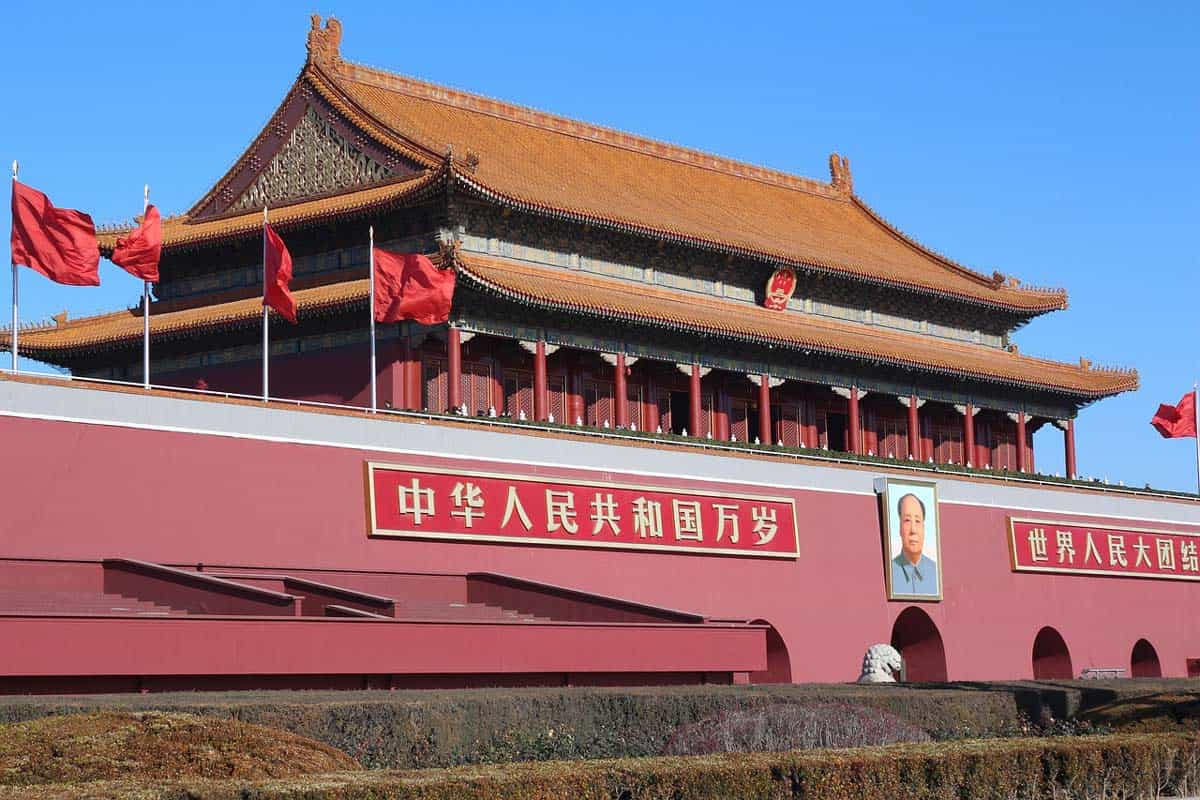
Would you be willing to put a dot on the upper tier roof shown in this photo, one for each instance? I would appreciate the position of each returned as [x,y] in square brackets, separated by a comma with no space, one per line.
[574,170]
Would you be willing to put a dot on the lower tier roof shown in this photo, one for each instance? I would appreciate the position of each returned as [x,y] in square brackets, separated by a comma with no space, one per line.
[568,291]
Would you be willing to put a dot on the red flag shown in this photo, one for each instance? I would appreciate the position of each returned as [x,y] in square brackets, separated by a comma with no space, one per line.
[1179,421]
[279,275]
[138,252]
[58,242]
[409,286]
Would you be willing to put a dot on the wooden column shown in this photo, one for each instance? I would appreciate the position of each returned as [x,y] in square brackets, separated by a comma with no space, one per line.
[454,360]
[541,394]
[914,428]
[854,426]
[764,409]
[1069,444]
[721,414]
[620,392]
[969,434]
[694,400]
[1021,434]
[414,385]
[652,418]
[577,411]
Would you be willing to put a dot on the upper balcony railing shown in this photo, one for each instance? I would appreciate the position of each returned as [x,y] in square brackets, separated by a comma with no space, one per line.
[708,445]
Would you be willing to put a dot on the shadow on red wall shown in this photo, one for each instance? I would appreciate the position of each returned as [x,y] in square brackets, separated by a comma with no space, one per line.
[920,645]
[779,663]
[1143,661]
[1051,658]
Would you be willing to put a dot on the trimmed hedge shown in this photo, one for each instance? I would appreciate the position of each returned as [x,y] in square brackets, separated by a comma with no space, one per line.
[1120,766]
[419,729]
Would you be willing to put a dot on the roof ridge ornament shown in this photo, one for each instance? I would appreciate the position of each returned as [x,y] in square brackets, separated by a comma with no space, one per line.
[839,173]
[324,44]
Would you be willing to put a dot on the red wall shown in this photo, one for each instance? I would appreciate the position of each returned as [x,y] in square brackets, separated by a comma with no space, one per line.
[87,492]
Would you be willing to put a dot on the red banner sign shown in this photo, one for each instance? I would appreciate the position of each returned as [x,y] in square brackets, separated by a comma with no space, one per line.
[1047,546]
[780,288]
[429,503]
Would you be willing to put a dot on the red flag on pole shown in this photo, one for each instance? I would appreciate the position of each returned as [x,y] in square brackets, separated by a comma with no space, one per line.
[409,286]
[138,253]
[278,275]
[1178,421]
[60,243]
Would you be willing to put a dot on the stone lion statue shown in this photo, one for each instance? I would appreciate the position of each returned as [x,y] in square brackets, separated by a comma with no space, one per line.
[881,664]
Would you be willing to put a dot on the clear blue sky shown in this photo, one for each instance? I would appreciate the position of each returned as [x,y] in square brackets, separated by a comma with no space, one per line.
[1056,142]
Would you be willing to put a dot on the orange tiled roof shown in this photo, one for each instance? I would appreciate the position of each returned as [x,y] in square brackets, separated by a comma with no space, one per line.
[563,289]
[557,288]
[182,231]
[54,343]
[563,167]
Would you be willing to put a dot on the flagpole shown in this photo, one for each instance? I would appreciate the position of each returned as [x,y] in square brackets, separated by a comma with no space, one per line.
[266,329]
[16,293]
[371,313]
[145,305]
[1196,412]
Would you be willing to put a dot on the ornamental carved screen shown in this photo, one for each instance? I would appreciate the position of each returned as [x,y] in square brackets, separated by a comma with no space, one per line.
[315,160]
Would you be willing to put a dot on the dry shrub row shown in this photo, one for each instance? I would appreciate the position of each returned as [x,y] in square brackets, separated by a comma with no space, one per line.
[414,729]
[1127,767]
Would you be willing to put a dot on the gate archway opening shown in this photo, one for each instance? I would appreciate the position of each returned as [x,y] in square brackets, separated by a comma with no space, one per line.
[1143,661]
[1051,658]
[920,645]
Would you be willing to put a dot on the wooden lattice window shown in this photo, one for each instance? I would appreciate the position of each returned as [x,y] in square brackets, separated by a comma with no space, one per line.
[557,387]
[598,403]
[947,442]
[741,420]
[892,436]
[518,393]
[788,424]
[1003,446]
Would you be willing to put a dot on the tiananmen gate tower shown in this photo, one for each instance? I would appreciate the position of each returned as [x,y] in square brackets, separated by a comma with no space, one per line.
[690,420]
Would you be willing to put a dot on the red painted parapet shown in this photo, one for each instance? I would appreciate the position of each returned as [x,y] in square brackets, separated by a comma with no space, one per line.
[315,646]
[563,604]
[194,592]
[1049,546]
[428,503]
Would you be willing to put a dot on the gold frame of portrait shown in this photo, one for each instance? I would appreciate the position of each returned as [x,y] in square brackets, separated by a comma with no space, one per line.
[886,499]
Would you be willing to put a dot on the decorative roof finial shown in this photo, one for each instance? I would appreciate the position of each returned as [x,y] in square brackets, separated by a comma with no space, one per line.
[324,44]
[839,172]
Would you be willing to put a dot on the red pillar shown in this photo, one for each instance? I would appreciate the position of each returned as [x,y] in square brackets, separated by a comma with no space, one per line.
[969,434]
[1069,442]
[694,401]
[764,409]
[413,384]
[541,395]
[721,415]
[621,401]
[855,427]
[1021,433]
[578,412]
[454,358]
[652,418]
[914,428]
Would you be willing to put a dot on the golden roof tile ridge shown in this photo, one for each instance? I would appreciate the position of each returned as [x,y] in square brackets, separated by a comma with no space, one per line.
[579,129]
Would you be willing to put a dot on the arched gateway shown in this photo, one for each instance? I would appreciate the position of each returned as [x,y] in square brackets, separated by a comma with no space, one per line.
[1143,661]
[920,644]
[1051,658]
